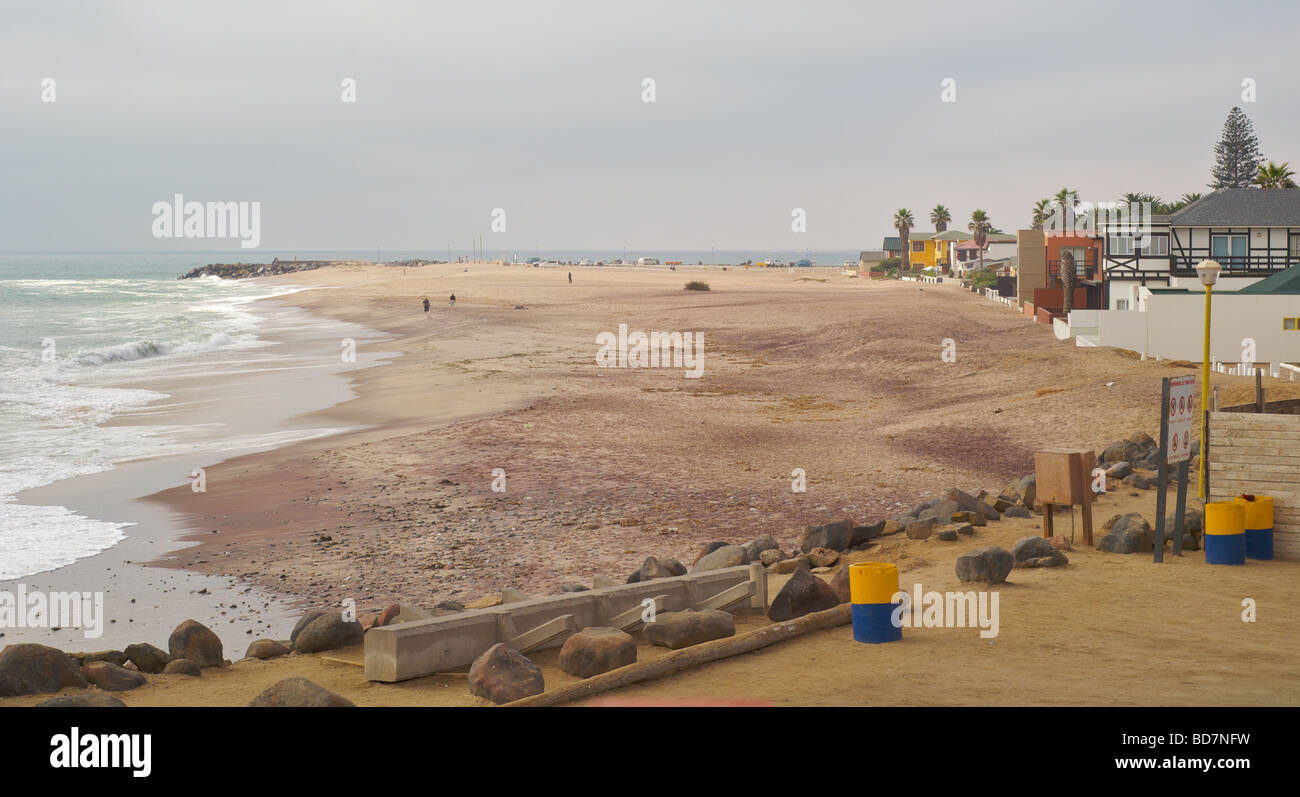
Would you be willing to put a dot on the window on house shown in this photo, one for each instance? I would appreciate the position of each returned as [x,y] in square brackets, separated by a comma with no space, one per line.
[1156,246]
[1229,250]
[1121,244]
[1121,304]
[918,246]
[1291,324]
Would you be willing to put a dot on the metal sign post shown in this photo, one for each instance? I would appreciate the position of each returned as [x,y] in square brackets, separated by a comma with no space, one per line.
[1177,414]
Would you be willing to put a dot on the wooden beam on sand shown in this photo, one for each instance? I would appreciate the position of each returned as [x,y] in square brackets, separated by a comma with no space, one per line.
[692,656]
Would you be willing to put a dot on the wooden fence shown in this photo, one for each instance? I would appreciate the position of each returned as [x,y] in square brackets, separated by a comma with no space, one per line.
[1259,453]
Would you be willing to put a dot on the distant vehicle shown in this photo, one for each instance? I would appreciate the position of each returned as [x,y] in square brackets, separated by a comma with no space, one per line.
[533,260]
[584,262]
[672,262]
[648,261]
[804,263]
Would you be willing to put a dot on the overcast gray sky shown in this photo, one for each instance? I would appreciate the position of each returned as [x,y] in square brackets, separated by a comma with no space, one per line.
[537,108]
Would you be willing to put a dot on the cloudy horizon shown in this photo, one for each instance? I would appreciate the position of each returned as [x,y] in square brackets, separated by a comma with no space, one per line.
[760,108]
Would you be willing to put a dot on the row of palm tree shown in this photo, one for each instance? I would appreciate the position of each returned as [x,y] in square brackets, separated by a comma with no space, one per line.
[941,217]
[1272,175]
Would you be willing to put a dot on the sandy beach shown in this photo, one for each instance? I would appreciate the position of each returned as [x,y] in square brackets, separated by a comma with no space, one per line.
[605,466]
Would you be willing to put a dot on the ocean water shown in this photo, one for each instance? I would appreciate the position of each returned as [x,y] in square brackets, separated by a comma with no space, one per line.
[75,331]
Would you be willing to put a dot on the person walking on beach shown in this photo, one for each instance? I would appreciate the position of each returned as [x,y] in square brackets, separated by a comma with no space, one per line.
[426,304]
[453,300]
[570,277]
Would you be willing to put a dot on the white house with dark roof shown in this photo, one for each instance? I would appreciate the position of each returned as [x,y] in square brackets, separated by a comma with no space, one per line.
[1252,233]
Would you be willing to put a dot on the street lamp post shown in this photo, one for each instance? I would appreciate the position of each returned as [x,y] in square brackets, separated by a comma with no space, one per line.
[1208,272]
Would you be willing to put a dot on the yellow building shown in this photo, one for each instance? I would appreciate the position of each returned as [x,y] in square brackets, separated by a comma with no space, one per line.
[926,250]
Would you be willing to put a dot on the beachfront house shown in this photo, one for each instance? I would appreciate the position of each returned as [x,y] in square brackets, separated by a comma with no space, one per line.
[963,254]
[892,245]
[1253,233]
[869,260]
[926,251]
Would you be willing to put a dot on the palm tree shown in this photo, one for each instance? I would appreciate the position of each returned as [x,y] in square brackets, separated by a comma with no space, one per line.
[1067,283]
[1187,199]
[940,217]
[1042,209]
[903,222]
[1274,176]
[980,227]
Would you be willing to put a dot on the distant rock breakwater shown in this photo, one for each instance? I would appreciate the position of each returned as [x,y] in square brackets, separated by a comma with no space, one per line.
[277,266]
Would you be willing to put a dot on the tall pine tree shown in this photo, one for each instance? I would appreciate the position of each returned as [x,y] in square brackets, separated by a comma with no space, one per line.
[1236,156]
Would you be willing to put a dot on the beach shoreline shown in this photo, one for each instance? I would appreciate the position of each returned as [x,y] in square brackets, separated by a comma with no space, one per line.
[604,467]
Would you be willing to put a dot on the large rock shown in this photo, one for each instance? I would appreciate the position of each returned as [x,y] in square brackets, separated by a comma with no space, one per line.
[822,557]
[595,650]
[861,535]
[503,674]
[919,529]
[298,692]
[790,565]
[508,595]
[31,669]
[328,631]
[990,565]
[941,512]
[802,594]
[831,535]
[754,548]
[1113,453]
[840,584]
[147,658]
[194,641]
[1129,533]
[710,548]
[726,556]
[964,500]
[1119,470]
[111,677]
[266,649]
[303,622]
[678,630]
[654,567]
[82,701]
[183,667]
[115,656]
[986,511]
[1037,552]
[1027,489]
[1017,511]
[771,556]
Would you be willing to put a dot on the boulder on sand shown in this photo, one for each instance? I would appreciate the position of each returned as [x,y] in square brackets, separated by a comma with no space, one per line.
[266,649]
[990,565]
[861,535]
[678,630]
[1129,533]
[503,674]
[831,535]
[803,594]
[298,692]
[840,584]
[182,667]
[726,556]
[82,701]
[111,677]
[755,547]
[595,650]
[194,641]
[326,632]
[919,529]
[147,658]
[30,669]
[1037,552]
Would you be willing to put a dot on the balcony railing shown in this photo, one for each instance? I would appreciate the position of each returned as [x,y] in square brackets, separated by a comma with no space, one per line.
[1236,264]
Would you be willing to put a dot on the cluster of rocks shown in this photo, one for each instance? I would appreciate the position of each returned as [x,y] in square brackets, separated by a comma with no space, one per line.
[30,668]
[1135,461]
[1131,533]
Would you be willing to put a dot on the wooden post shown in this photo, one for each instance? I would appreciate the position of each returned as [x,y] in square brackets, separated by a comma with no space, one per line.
[1259,390]
[1181,508]
[1047,520]
[1162,482]
[1087,522]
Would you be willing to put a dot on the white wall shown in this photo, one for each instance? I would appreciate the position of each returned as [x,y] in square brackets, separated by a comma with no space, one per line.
[1172,327]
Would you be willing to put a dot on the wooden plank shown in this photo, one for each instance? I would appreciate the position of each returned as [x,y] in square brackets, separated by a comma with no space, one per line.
[1235,484]
[548,631]
[631,618]
[1264,436]
[1244,456]
[1287,424]
[1280,473]
[728,597]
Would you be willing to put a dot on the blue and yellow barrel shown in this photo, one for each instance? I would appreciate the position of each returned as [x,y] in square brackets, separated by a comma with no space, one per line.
[872,586]
[1225,533]
[1259,525]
